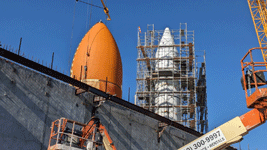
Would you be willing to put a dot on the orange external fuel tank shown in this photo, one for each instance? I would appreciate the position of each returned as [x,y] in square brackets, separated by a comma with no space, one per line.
[97,61]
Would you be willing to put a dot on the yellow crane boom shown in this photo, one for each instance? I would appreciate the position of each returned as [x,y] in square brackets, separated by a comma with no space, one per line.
[258,14]
[105,10]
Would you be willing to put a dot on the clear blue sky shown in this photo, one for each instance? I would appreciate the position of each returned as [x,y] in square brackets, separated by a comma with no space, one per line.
[223,28]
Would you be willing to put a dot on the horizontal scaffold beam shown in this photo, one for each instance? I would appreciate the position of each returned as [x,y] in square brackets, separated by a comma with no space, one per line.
[162,92]
[170,78]
[165,58]
[178,106]
[156,46]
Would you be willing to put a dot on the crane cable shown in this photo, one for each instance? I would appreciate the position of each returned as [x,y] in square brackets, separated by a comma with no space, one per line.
[90,15]
[72,32]
[88,48]
[90,4]
[88,28]
[104,7]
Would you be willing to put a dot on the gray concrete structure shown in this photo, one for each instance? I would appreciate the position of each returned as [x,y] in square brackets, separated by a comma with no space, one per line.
[30,101]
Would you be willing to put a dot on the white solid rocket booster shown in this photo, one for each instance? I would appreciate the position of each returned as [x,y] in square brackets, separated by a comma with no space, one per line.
[166,100]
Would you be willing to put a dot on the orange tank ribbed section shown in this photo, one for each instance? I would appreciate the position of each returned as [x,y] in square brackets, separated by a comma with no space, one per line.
[99,52]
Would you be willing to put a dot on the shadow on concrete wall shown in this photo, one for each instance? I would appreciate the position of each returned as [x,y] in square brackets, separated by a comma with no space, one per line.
[13,135]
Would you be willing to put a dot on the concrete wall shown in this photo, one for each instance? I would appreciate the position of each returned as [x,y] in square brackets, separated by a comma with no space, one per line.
[30,101]
[132,130]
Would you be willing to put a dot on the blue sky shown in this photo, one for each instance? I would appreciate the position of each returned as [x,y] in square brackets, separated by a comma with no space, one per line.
[223,28]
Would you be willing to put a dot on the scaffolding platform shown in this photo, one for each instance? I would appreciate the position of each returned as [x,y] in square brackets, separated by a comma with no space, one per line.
[180,88]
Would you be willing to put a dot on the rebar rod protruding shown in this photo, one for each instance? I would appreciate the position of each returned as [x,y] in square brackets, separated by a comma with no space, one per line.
[20,45]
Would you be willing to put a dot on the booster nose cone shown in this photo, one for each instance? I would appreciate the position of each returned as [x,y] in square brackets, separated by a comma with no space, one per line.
[166,53]
[98,59]
[166,38]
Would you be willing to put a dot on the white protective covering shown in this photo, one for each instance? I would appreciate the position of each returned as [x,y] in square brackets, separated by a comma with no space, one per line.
[166,99]
[166,52]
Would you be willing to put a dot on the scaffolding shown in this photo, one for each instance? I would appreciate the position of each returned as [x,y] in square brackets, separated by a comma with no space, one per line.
[182,87]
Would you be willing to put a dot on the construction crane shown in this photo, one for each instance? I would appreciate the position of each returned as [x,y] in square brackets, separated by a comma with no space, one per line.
[67,134]
[233,131]
[259,14]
